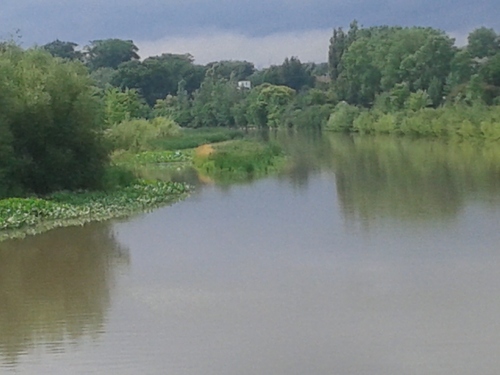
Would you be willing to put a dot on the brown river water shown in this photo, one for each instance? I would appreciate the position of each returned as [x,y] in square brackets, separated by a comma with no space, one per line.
[366,256]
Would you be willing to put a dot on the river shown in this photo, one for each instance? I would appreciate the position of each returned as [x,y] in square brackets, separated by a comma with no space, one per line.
[366,256]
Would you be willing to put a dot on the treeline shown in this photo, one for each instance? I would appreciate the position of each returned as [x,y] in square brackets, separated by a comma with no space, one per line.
[392,73]
[415,81]
[193,95]
[65,109]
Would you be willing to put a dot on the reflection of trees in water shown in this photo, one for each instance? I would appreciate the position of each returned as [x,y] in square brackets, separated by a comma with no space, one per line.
[55,287]
[308,152]
[383,176]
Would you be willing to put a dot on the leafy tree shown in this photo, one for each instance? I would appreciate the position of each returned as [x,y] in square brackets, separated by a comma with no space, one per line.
[483,42]
[50,123]
[338,46]
[231,69]
[381,57]
[295,74]
[213,104]
[267,103]
[123,105]
[103,77]
[64,50]
[110,53]
[159,76]
[342,117]
[291,73]
[490,74]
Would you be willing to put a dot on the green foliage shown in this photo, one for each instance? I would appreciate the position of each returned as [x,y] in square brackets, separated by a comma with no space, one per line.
[160,157]
[231,69]
[122,105]
[110,53]
[337,48]
[50,124]
[380,58]
[64,50]
[191,138]
[291,73]
[103,77]
[342,118]
[213,104]
[159,76]
[483,42]
[267,103]
[310,117]
[417,101]
[137,134]
[240,160]
[64,209]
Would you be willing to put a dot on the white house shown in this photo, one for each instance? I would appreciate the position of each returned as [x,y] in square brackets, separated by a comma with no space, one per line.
[244,85]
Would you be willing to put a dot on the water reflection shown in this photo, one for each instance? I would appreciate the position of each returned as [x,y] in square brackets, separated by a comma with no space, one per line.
[396,177]
[55,288]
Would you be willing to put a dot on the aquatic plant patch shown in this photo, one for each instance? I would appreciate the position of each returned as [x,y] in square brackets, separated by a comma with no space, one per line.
[21,216]
[239,160]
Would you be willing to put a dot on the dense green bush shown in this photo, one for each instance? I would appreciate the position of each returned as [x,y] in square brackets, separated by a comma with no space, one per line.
[137,134]
[240,160]
[49,125]
[343,117]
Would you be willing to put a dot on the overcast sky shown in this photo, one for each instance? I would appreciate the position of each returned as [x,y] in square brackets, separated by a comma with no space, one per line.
[261,31]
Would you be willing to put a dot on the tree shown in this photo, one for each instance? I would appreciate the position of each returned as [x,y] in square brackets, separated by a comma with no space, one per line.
[213,104]
[267,103]
[336,50]
[64,50]
[50,123]
[123,105]
[295,74]
[110,53]
[232,69]
[159,76]
[483,42]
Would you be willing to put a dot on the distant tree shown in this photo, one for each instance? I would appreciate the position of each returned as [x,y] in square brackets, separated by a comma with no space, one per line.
[123,105]
[267,103]
[295,74]
[65,50]
[382,57]
[490,75]
[338,46]
[291,73]
[103,77]
[159,76]
[232,69]
[110,53]
[483,42]
[213,104]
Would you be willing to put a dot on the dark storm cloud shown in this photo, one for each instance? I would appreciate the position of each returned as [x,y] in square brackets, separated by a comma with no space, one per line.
[41,21]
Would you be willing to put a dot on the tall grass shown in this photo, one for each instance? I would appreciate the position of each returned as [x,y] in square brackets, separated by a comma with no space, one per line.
[240,160]
[191,138]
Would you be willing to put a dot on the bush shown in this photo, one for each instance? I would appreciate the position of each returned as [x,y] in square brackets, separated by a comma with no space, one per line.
[50,124]
[343,117]
[137,134]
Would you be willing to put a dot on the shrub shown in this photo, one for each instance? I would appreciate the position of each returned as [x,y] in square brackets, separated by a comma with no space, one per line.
[343,117]
[137,134]
[50,124]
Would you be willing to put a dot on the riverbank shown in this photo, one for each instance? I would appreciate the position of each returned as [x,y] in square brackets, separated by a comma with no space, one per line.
[227,161]
[20,217]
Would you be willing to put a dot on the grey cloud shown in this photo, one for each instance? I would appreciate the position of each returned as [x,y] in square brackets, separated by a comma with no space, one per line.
[42,21]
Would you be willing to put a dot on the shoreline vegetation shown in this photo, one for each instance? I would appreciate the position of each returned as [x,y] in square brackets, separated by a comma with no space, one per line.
[79,124]
[127,194]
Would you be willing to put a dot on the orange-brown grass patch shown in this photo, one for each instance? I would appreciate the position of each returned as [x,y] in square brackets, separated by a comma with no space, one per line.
[204,150]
